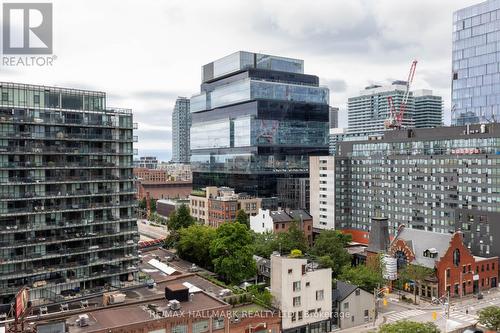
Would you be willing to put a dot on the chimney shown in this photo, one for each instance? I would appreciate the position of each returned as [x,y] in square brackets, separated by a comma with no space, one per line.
[379,235]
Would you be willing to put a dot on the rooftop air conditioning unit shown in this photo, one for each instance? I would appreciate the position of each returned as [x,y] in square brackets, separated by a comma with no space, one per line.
[174,305]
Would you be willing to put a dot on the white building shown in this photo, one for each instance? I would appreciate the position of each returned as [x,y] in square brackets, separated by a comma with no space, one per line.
[302,294]
[262,221]
[322,191]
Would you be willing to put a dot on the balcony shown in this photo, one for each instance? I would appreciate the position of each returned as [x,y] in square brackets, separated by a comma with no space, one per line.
[64,194]
[61,165]
[64,252]
[48,150]
[62,180]
[18,211]
[28,227]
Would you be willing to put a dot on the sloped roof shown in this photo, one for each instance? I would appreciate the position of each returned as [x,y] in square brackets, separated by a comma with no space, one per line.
[343,290]
[280,216]
[420,240]
[299,214]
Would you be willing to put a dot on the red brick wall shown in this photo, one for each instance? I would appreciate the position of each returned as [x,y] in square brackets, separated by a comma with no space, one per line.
[456,273]
[307,228]
[164,191]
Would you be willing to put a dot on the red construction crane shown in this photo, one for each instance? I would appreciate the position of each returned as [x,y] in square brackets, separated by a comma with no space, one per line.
[395,119]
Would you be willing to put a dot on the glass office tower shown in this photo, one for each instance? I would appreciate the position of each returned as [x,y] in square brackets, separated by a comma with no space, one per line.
[476,60]
[258,117]
[67,195]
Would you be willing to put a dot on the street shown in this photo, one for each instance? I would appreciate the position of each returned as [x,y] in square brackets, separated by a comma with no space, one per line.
[149,232]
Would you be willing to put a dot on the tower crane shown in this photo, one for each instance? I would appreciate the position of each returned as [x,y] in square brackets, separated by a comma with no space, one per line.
[395,119]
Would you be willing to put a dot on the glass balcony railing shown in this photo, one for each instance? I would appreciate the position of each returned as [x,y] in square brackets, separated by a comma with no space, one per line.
[62,164]
[57,120]
[64,252]
[64,194]
[63,267]
[16,227]
[65,207]
[43,150]
[62,179]
[67,237]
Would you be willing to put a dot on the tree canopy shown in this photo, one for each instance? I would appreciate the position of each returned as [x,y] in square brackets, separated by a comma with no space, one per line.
[232,252]
[329,248]
[292,239]
[490,317]
[417,274]
[242,217]
[180,218]
[194,244]
[362,276]
[407,326]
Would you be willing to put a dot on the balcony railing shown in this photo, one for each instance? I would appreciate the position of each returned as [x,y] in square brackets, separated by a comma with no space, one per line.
[56,120]
[4,212]
[52,225]
[64,194]
[62,165]
[43,150]
[65,136]
[69,237]
[63,179]
[64,252]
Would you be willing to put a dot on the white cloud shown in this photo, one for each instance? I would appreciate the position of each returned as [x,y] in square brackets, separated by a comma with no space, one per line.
[145,53]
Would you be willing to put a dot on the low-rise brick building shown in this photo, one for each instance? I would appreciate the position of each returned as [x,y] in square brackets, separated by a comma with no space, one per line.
[457,271]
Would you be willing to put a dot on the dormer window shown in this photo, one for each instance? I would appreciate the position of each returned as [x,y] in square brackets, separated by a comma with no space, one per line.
[431,253]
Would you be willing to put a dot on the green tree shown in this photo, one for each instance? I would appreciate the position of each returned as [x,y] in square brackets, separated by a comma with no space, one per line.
[417,274]
[194,244]
[171,240]
[242,217]
[265,243]
[180,218]
[363,276]
[152,202]
[406,326]
[329,249]
[292,239]
[232,253]
[490,317]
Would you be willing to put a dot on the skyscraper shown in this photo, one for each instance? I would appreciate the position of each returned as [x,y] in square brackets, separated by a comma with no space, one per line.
[67,204]
[367,112]
[334,117]
[181,124]
[475,64]
[428,109]
[258,117]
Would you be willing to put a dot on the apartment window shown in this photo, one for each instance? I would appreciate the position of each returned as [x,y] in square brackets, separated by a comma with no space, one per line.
[290,271]
[447,272]
[180,329]
[492,266]
[294,318]
[36,99]
[218,323]
[367,315]
[464,269]
[5,97]
[308,284]
[296,286]
[346,305]
[320,295]
[296,301]
[300,315]
[358,292]
[200,326]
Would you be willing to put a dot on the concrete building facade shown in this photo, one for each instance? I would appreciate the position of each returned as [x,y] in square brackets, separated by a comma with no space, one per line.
[322,189]
[428,109]
[299,291]
[422,178]
[181,124]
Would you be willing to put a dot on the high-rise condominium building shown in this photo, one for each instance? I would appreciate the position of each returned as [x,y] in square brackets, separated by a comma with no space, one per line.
[67,204]
[428,109]
[181,124]
[334,117]
[438,179]
[322,191]
[475,64]
[367,112]
[258,117]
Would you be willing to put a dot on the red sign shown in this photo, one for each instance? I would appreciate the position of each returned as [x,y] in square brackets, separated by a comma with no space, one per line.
[22,299]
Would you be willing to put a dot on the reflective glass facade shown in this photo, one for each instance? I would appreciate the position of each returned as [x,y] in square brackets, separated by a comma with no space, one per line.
[67,194]
[475,64]
[261,122]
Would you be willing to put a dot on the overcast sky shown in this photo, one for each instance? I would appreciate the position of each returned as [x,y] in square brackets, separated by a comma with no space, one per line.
[146,53]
